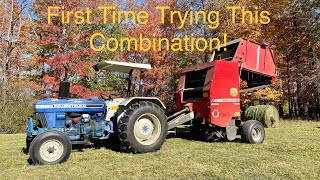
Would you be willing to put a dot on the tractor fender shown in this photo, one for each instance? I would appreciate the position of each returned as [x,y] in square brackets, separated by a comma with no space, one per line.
[137,99]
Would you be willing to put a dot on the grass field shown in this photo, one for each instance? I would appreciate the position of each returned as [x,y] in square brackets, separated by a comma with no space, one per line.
[291,151]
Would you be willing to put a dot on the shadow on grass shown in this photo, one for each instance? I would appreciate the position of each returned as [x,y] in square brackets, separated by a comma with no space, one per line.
[25,151]
[110,144]
[30,161]
[184,133]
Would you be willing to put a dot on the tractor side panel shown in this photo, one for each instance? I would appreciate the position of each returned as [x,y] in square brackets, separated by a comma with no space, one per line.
[224,93]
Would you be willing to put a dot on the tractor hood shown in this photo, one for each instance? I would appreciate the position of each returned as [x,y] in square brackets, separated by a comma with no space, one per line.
[70,105]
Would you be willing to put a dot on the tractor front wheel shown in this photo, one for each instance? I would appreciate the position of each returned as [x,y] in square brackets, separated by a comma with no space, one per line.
[252,132]
[50,147]
[143,128]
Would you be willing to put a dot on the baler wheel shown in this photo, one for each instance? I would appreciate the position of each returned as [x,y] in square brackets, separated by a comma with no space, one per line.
[143,128]
[252,132]
[50,147]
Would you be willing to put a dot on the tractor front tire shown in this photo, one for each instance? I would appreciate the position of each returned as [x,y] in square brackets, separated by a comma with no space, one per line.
[252,132]
[50,147]
[143,128]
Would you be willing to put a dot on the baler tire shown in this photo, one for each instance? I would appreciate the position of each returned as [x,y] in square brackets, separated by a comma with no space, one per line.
[250,129]
[43,139]
[128,137]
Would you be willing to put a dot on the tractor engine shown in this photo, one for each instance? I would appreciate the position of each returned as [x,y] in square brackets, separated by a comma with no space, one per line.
[80,119]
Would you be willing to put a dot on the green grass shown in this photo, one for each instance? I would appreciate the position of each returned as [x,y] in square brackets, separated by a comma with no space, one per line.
[291,151]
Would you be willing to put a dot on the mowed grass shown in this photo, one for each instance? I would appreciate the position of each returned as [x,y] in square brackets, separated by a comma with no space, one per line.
[291,151]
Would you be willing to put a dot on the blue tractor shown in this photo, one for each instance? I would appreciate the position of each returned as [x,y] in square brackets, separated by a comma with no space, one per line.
[139,122]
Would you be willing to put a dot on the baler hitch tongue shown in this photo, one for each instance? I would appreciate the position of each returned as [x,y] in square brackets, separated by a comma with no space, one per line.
[183,111]
[180,117]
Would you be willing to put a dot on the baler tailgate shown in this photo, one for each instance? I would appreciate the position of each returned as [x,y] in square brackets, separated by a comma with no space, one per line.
[253,57]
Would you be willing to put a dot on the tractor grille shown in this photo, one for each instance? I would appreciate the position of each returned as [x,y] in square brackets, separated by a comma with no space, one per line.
[42,119]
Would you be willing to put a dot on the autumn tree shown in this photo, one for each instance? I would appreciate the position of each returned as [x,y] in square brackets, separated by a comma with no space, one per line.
[16,87]
[294,34]
[63,50]
[13,39]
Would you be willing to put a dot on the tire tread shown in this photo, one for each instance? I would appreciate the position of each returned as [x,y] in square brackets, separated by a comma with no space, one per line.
[125,143]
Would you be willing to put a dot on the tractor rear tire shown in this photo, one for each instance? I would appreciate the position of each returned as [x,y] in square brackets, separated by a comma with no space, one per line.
[50,147]
[252,132]
[143,128]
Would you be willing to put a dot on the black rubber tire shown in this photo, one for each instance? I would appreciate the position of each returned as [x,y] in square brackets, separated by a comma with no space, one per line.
[247,132]
[126,127]
[34,150]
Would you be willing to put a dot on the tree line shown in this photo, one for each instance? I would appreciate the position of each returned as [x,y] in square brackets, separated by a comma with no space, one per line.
[35,56]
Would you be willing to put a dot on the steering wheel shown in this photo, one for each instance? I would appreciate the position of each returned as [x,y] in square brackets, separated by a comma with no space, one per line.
[106,98]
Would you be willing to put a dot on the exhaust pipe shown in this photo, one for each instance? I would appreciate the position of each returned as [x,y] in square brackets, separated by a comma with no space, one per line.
[64,89]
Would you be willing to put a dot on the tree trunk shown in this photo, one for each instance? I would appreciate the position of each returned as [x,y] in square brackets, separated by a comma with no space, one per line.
[318,107]
[4,89]
[6,58]
[288,88]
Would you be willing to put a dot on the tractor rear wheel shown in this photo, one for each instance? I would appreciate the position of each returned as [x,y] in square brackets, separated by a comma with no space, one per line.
[143,128]
[50,147]
[252,132]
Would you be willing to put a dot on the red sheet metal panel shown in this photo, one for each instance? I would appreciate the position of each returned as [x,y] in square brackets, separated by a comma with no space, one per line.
[224,93]
[255,57]
[221,94]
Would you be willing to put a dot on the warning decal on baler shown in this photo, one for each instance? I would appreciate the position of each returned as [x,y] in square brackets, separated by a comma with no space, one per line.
[233,92]
[215,113]
[226,100]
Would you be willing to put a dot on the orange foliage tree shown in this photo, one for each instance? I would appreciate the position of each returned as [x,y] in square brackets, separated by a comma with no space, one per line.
[63,50]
